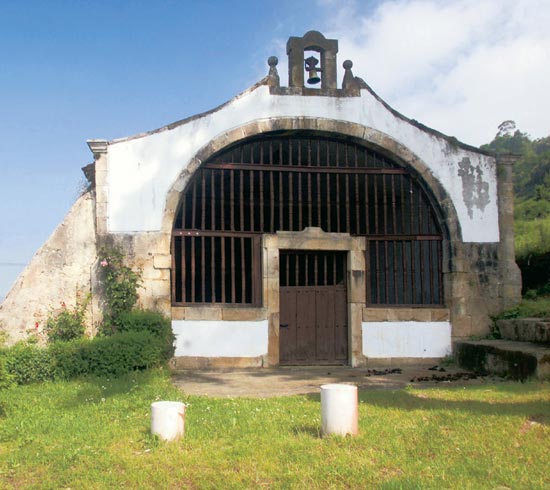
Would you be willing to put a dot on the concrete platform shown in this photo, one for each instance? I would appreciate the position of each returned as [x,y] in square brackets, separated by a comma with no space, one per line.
[285,381]
[525,330]
[516,360]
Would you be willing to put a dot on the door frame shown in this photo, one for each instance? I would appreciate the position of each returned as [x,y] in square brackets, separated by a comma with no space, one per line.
[316,239]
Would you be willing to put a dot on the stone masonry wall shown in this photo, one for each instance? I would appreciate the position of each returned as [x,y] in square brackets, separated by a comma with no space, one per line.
[59,271]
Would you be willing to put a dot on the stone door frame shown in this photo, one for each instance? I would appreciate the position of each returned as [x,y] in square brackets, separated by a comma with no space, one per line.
[315,239]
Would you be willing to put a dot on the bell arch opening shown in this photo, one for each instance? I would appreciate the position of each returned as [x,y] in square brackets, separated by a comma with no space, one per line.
[290,180]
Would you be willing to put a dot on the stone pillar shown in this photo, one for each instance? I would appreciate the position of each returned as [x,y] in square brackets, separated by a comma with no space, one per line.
[510,275]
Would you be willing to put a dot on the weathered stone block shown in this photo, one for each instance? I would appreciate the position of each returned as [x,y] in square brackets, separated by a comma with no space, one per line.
[203,313]
[162,261]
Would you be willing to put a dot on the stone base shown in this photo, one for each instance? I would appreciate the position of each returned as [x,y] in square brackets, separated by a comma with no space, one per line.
[525,330]
[517,360]
[191,362]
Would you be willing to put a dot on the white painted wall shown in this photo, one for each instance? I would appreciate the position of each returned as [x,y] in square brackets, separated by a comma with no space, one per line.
[220,338]
[141,170]
[406,339]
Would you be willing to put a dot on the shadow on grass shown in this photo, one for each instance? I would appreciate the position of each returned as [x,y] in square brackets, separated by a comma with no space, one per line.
[421,400]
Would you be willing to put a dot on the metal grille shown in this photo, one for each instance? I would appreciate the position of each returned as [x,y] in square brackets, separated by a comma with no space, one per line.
[307,268]
[292,181]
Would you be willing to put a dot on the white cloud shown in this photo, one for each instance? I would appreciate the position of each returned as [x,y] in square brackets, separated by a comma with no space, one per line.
[460,66]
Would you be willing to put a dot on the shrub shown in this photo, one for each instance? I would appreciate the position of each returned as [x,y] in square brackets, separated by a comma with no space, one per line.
[121,353]
[6,379]
[67,324]
[27,363]
[120,283]
[149,321]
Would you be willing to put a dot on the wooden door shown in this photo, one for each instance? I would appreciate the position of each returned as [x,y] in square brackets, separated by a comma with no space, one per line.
[313,308]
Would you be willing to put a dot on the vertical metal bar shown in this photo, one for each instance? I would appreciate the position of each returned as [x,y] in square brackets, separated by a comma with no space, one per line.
[385,203]
[194,204]
[203,205]
[419,212]
[329,227]
[290,201]
[183,271]
[232,199]
[286,267]
[243,270]
[411,206]
[281,222]
[431,272]
[405,269]
[193,267]
[395,282]
[306,269]
[241,200]
[375,179]
[222,195]
[272,203]
[309,198]
[403,209]
[348,206]
[213,269]
[377,261]
[367,205]
[440,271]
[319,205]
[393,205]
[413,270]
[203,270]
[316,269]
[337,178]
[223,271]
[300,201]
[175,272]
[296,269]
[233,299]
[422,286]
[261,174]
[251,183]
[357,208]
[386,271]
[213,201]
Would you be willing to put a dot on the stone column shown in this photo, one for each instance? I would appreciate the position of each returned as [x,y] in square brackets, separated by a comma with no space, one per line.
[510,275]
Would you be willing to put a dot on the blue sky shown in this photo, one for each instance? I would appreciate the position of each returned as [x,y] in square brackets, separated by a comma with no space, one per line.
[77,70]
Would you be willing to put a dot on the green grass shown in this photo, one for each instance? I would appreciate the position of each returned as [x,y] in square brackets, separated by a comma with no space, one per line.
[94,434]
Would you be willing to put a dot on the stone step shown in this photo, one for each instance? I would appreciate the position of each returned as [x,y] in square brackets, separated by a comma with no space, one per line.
[517,360]
[525,330]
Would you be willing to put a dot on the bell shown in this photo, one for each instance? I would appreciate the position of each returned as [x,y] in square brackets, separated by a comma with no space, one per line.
[313,77]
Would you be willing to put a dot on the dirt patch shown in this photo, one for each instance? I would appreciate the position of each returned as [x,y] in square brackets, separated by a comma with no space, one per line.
[285,381]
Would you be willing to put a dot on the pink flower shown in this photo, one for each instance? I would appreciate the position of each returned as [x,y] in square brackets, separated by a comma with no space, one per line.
[36,325]
[104,263]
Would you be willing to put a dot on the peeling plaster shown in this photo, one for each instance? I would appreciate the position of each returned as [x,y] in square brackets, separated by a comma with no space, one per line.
[474,189]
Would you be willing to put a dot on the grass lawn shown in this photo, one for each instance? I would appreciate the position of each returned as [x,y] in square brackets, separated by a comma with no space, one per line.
[94,434]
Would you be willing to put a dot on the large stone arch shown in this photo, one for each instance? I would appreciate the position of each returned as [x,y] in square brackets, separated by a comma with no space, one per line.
[368,136]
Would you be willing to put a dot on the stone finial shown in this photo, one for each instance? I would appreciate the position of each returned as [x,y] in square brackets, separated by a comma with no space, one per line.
[349,83]
[273,76]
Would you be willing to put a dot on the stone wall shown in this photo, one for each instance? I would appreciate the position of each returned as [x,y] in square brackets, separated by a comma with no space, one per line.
[59,271]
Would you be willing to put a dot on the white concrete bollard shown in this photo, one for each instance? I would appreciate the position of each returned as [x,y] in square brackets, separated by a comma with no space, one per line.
[168,420]
[339,410]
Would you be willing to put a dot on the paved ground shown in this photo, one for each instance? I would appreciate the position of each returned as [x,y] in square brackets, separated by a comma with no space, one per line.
[283,381]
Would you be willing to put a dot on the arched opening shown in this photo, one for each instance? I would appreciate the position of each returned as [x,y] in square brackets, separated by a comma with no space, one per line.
[290,180]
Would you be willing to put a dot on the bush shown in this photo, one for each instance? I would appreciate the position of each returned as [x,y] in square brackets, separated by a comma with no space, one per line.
[121,353]
[27,363]
[6,379]
[152,322]
[120,283]
[67,324]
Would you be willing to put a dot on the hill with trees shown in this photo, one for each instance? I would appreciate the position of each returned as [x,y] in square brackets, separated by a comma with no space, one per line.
[532,203]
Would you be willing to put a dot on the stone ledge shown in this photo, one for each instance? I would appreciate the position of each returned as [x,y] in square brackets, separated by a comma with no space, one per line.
[218,313]
[517,360]
[525,329]
[405,314]
[192,362]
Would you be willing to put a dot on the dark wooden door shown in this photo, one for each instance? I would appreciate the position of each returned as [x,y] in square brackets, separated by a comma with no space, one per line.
[313,308]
